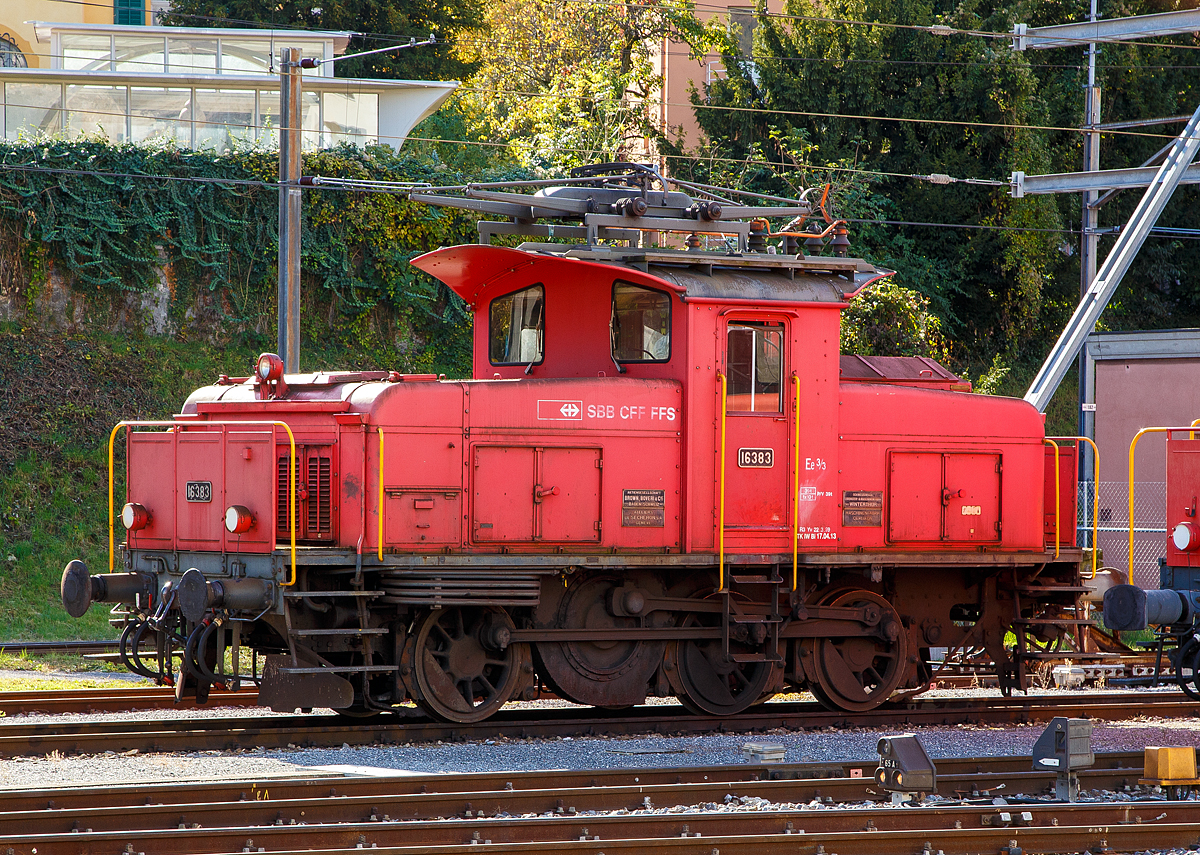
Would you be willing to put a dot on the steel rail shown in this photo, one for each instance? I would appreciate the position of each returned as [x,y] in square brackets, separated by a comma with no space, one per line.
[222,732]
[336,823]
[84,647]
[263,807]
[115,699]
[824,779]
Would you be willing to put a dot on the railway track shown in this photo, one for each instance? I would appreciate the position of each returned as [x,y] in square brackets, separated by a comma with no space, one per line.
[137,697]
[687,810]
[223,732]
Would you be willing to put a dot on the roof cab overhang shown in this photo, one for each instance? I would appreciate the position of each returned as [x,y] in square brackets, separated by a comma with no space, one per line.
[470,270]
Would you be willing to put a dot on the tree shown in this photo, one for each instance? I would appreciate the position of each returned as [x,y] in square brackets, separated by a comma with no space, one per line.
[378,23]
[896,101]
[566,82]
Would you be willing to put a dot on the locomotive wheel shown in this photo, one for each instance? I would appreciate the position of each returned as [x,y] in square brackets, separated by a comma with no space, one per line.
[709,683]
[602,673]
[1187,668]
[858,673]
[460,671]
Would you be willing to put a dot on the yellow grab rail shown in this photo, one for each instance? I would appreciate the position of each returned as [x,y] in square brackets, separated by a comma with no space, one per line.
[1132,446]
[112,437]
[1057,498]
[796,488]
[721,496]
[380,494]
[1095,493]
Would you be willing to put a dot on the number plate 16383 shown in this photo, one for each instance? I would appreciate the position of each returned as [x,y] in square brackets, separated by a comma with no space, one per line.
[199,491]
[756,458]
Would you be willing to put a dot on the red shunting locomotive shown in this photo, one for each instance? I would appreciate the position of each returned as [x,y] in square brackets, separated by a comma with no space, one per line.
[663,480]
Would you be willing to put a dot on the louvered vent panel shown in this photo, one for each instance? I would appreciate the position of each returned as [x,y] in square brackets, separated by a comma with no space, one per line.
[318,496]
[281,510]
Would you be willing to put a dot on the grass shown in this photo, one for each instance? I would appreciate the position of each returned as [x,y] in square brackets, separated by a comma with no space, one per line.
[50,684]
[60,396]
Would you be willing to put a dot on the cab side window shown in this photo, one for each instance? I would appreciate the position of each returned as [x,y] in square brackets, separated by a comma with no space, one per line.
[754,359]
[516,327]
[641,324]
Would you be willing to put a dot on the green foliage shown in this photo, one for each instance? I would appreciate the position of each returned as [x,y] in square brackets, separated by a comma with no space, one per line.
[566,83]
[829,97]
[376,23]
[109,236]
[887,319]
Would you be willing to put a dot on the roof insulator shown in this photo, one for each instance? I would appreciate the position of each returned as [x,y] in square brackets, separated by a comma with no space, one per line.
[939,178]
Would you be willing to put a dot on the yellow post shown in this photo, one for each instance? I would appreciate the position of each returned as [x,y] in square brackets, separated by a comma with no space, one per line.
[721,497]
[1095,492]
[1057,498]
[796,487]
[380,494]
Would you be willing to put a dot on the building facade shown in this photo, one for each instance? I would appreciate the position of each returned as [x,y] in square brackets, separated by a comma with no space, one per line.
[198,88]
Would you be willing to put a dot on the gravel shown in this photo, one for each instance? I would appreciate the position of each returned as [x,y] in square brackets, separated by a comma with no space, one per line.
[578,753]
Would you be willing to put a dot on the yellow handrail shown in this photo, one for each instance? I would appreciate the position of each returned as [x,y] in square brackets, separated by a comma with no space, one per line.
[112,437]
[1057,498]
[380,494]
[1132,446]
[796,489]
[1095,493]
[721,497]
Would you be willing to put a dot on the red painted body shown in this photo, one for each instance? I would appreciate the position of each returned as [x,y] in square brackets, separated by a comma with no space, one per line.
[574,457]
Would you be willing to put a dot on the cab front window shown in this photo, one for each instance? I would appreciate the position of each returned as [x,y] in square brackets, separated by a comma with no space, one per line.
[641,324]
[516,329]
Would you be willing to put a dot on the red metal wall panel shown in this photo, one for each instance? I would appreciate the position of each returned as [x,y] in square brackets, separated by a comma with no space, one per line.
[569,483]
[201,459]
[1183,494]
[914,509]
[502,494]
[971,500]
[249,472]
[1068,468]
[151,483]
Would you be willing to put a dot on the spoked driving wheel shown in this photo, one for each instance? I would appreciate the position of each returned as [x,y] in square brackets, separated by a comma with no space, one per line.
[858,673]
[707,681]
[1187,668]
[462,664]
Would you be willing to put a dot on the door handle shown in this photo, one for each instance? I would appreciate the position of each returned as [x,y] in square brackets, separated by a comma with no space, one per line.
[948,494]
[539,493]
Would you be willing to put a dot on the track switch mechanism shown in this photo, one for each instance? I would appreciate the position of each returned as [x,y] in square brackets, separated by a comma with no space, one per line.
[1064,748]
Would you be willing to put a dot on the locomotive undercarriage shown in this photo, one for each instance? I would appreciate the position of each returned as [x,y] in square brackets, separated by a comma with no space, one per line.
[461,643]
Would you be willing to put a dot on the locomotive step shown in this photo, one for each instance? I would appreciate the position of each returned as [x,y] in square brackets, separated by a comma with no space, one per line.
[378,630]
[1049,589]
[1053,622]
[751,619]
[347,669]
[756,580]
[753,657]
[300,595]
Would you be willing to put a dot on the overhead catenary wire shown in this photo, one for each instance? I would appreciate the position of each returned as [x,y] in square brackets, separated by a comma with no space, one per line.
[940,29]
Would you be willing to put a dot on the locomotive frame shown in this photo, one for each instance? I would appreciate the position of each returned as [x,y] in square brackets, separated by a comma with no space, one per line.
[738,509]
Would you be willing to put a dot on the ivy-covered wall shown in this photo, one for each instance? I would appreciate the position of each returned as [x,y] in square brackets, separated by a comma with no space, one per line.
[183,244]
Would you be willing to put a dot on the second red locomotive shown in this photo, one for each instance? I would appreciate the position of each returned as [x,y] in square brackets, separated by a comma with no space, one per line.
[664,479]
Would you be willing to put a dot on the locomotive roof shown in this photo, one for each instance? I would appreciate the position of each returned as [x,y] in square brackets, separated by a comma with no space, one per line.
[470,269]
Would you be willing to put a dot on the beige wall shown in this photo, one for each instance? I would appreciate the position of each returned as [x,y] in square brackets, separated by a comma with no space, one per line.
[1132,394]
[680,73]
[16,17]
[1135,393]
